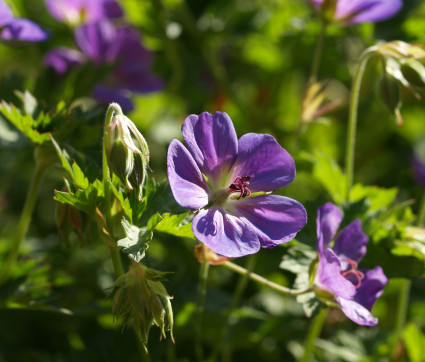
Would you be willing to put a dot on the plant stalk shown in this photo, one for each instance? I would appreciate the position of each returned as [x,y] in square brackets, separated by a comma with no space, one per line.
[24,220]
[313,333]
[352,119]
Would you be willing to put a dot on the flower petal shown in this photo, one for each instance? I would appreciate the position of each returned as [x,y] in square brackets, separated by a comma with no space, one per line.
[61,59]
[224,233]
[6,15]
[275,219]
[351,242]
[24,30]
[99,41]
[65,10]
[328,219]
[186,181]
[362,11]
[265,161]
[328,276]
[371,288]
[356,312]
[212,141]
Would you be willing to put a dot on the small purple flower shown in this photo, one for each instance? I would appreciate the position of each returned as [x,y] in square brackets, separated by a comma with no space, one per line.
[102,42]
[351,12]
[337,276]
[76,12]
[228,181]
[18,29]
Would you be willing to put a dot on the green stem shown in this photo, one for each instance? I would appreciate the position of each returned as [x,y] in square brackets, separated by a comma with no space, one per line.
[317,56]
[243,281]
[421,215]
[264,281]
[24,220]
[116,260]
[403,306]
[352,119]
[203,278]
[313,333]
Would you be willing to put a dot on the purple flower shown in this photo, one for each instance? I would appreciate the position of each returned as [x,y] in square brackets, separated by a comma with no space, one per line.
[81,11]
[228,181]
[103,42]
[337,276]
[18,29]
[351,12]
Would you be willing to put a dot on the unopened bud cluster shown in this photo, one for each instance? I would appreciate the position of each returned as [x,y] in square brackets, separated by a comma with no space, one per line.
[402,69]
[141,300]
[127,152]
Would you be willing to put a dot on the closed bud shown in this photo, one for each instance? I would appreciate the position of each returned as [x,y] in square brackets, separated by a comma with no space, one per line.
[389,91]
[140,298]
[413,72]
[127,153]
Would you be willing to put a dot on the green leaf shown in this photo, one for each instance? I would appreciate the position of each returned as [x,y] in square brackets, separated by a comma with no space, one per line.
[414,341]
[84,200]
[377,197]
[330,175]
[172,224]
[136,241]
[25,122]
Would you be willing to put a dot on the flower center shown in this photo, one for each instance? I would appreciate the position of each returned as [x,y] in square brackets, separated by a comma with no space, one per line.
[351,273]
[240,185]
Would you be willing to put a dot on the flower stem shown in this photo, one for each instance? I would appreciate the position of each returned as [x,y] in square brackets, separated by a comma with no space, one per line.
[242,283]
[317,56]
[313,333]
[202,291]
[352,119]
[25,219]
[264,281]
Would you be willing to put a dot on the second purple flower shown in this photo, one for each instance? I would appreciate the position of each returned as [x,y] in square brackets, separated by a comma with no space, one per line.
[229,181]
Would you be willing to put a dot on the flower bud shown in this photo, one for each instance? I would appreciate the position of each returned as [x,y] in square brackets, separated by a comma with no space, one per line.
[413,72]
[141,299]
[127,152]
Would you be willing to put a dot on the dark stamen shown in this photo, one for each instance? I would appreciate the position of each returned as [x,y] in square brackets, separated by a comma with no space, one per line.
[240,185]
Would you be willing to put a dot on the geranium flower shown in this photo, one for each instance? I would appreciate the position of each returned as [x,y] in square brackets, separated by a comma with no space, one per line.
[351,12]
[337,276]
[76,12]
[228,181]
[103,42]
[18,29]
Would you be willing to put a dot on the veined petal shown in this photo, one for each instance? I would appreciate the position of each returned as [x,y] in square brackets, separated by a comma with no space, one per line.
[371,288]
[186,181]
[212,141]
[357,313]
[6,15]
[329,217]
[362,11]
[24,30]
[328,276]
[351,242]
[275,219]
[265,161]
[224,233]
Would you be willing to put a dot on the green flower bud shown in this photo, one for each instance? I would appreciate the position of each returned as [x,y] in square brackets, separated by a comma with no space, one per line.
[413,72]
[141,300]
[127,152]
[389,91]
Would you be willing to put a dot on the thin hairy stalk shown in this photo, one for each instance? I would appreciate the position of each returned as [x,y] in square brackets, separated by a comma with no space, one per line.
[352,119]
[264,281]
